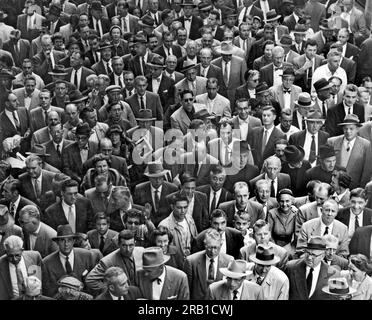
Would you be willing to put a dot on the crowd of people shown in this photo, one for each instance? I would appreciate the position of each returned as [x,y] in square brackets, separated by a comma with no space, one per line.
[185,150]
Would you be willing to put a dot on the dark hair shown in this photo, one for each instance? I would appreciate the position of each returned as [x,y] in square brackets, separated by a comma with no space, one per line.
[267,42]
[134,213]
[216,169]
[260,223]
[216,13]
[186,177]
[165,14]
[101,216]
[358,193]
[196,123]
[217,213]
[84,113]
[361,262]
[177,197]
[160,231]
[183,92]
[310,42]
[283,191]
[125,235]
[100,157]
[69,183]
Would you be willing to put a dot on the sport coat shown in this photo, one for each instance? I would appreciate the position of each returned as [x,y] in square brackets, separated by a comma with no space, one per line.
[55,160]
[195,268]
[23,53]
[246,174]
[352,51]
[55,216]
[152,102]
[175,285]
[312,227]
[105,23]
[196,24]
[42,67]
[301,79]
[253,122]
[53,270]
[135,66]
[206,189]
[255,141]
[175,49]
[361,241]
[221,106]
[32,33]
[37,117]
[98,68]
[306,212]
[180,120]
[278,95]
[165,91]
[250,40]
[21,95]
[142,195]
[133,294]
[359,164]
[22,203]
[284,181]
[220,291]
[317,12]
[44,243]
[110,241]
[32,261]
[343,216]
[267,73]
[213,72]
[85,72]
[201,84]
[40,136]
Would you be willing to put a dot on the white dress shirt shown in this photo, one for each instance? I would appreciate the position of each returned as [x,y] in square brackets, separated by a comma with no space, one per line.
[243,126]
[97,25]
[187,25]
[315,277]
[307,146]
[84,154]
[277,77]
[352,222]
[144,100]
[323,228]
[324,72]
[218,194]
[33,237]
[238,294]
[269,132]
[79,71]
[31,21]
[215,265]
[66,209]
[153,193]
[71,259]
[13,275]
[346,108]
[118,79]
[252,93]
[223,151]
[158,288]
[275,182]
[156,84]
[223,243]
[204,71]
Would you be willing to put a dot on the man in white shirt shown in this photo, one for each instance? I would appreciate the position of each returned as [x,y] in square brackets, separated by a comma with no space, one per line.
[285,125]
[117,77]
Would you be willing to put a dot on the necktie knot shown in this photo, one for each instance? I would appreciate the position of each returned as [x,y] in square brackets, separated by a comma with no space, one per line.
[187,19]
[287,90]
[158,280]
[278,68]
[235,292]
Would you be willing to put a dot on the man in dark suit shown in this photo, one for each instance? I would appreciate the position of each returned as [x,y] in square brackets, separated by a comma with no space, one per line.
[144,99]
[117,286]
[37,235]
[154,192]
[350,51]
[97,22]
[361,241]
[242,203]
[205,68]
[337,113]
[168,48]
[308,275]
[19,48]
[190,22]
[291,21]
[103,66]
[232,239]
[72,210]
[14,261]
[36,181]
[202,268]
[53,18]
[215,192]
[356,215]
[77,74]
[66,261]
[262,139]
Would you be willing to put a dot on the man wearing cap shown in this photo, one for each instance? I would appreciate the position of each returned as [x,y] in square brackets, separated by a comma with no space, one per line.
[303,107]
[154,192]
[66,261]
[274,283]
[15,266]
[354,152]
[310,273]
[7,227]
[70,288]
[235,286]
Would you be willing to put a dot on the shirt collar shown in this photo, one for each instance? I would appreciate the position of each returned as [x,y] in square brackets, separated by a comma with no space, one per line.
[153,189]
[16,203]
[69,256]
[66,206]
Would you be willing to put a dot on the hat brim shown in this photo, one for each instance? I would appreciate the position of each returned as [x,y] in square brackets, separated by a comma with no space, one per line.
[144,25]
[262,91]
[315,120]
[166,259]
[235,275]
[358,124]
[311,105]
[285,44]
[155,175]
[105,47]
[205,9]
[145,119]
[188,4]
[328,86]
[273,261]
[64,237]
[326,290]
[38,154]
[155,65]
[274,19]
[299,32]
[226,52]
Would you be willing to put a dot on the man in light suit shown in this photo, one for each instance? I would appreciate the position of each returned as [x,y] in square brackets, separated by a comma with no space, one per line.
[37,235]
[29,263]
[7,227]
[233,69]
[325,224]
[202,268]
[353,152]
[173,283]
[19,48]
[245,39]
[240,289]
[65,261]
[27,90]
[167,47]
[301,285]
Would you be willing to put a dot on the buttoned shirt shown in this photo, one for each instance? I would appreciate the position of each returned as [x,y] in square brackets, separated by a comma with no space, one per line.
[238,293]
[33,237]
[352,219]
[156,84]
[84,154]
[31,21]
[172,75]
[218,194]
[275,182]
[316,271]
[277,76]
[346,108]
[153,193]
[71,259]
[243,126]
[323,228]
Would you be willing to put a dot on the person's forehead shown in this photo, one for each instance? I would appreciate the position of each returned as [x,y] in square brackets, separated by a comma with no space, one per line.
[182,203]
[218,220]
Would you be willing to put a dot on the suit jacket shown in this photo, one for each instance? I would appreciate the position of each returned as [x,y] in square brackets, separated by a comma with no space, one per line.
[343,216]
[195,268]
[23,53]
[180,120]
[41,66]
[290,22]
[220,291]
[53,270]
[246,174]
[221,105]
[165,91]
[278,95]
[337,114]
[71,159]
[22,203]
[267,73]
[133,294]
[44,243]
[358,166]
[85,72]
[37,117]
[133,20]
[105,23]
[253,208]
[98,205]
[225,195]
[134,65]
[54,159]
[175,285]
[301,78]
[296,273]
[352,51]
[21,95]
[321,45]
[98,68]
[306,212]
[27,189]
[312,227]
[361,241]
[175,49]
[152,102]
[54,215]
[142,195]
[201,83]
[196,24]
[317,12]
[255,141]
[178,76]
[213,72]
[22,26]
[250,41]
[253,122]
[284,181]
[110,241]
[31,258]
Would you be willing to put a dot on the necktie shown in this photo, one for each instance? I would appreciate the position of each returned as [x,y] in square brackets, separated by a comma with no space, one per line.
[101,243]
[71,219]
[309,281]
[348,146]
[120,298]
[16,51]
[324,110]
[29,23]
[109,70]
[214,200]
[325,231]
[12,209]
[259,280]
[245,12]
[37,188]
[264,141]
[303,123]
[124,24]
[157,200]
[16,122]
[20,280]
[68,266]
[356,226]
[312,156]
[141,65]
[225,75]
[211,270]
[227,158]
[309,76]
[348,110]
[272,189]
[287,91]
[142,103]
[58,151]
[235,297]
[202,74]
[156,20]
[158,280]
[45,117]
[76,83]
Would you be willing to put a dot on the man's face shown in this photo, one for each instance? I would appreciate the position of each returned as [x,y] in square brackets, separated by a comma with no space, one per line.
[230,21]
[153,272]
[181,37]
[66,245]
[244,31]
[84,33]
[321,196]
[212,247]
[155,72]
[212,89]
[73,48]
[219,224]
[330,253]
[264,97]
[71,113]
[92,119]
[241,197]
[363,98]
[205,58]
[12,103]
[188,189]
[27,68]
[118,66]
[126,247]
[310,51]
[334,62]
[45,100]
[262,235]
[47,46]
[217,181]
[102,167]
[269,34]
[368,86]
[102,226]
[264,192]
[191,50]
[329,213]
[278,58]
[94,44]
[313,257]
[357,204]
[70,195]
[129,80]
[33,169]
[162,242]
[115,112]
[243,110]
[82,140]
[335,86]
[350,131]
[156,182]
[122,9]
[60,90]
[120,287]
[188,102]
[7,193]
[299,37]
[168,41]
[226,134]
[241,225]
[28,224]
[268,118]
[141,87]
[342,37]
[133,224]
[279,150]
[328,164]
[30,86]
[75,60]
[14,255]
[314,126]
[83,20]
[106,54]
[171,64]
[350,97]
[188,10]
[180,209]
[262,270]
[152,43]
[286,121]
[324,94]
[288,81]
[234,284]
[207,40]
[57,133]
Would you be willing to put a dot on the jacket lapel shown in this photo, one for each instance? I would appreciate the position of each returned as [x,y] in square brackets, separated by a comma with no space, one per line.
[203,272]
[300,276]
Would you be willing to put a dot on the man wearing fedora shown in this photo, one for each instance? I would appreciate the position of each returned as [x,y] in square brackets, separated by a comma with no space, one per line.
[7,227]
[352,151]
[158,281]
[309,274]
[77,73]
[286,93]
[235,286]
[15,266]
[104,65]
[155,192]
[274,282]
[98,22]
[203,267]
[190,22]
[303,107]
[66,261]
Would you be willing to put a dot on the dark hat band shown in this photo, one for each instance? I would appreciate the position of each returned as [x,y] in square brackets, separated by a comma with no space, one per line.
[264,257]
[304,103]
[339,291]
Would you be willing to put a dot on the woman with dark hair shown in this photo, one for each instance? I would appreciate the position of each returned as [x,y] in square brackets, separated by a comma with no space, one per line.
[119,147]
[161,237]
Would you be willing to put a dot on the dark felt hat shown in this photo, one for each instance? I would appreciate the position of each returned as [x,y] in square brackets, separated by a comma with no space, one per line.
[83,129]
[294,154]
